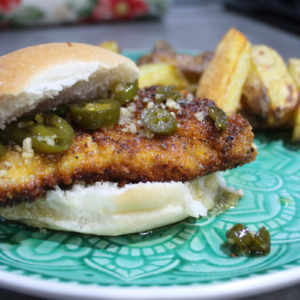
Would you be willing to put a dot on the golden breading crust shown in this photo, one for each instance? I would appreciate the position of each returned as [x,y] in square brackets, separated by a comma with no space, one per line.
[197,149]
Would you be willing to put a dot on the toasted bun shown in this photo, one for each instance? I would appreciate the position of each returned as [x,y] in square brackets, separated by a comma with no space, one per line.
[105,209]
[60,72]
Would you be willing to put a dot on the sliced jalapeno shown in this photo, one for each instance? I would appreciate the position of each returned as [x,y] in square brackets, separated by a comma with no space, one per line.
[124,92]
[240,236]
[5,134]
[262,242]
[96,114]
[159,121]
[167,91]
[60,110]
[3,150]
[219,116]
[55,135]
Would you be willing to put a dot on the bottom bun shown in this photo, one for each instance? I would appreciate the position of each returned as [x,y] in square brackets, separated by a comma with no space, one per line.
[105,209]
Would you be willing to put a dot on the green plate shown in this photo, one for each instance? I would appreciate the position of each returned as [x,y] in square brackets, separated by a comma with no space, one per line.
[182,260]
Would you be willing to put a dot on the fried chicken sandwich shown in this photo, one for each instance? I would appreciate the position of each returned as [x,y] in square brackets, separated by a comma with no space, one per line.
[82,149]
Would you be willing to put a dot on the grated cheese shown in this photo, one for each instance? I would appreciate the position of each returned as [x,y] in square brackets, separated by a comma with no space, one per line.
[148,134]
[150,105]
[145,100]
[199,116]
[189,97]
[172,104]
[131,108]
[133,128]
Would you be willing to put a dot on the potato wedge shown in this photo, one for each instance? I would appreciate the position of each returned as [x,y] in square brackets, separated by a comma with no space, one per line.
[111,45]
[270,90]
[161,74]
[254,95]
[296,129]
[294,69]
[192,66]
[225,75]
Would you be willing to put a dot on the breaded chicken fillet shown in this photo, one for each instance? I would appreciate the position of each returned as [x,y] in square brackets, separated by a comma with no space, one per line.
[116,154]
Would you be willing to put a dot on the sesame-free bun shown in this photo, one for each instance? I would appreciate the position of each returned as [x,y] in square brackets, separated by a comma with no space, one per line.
[105,209]
[59,72]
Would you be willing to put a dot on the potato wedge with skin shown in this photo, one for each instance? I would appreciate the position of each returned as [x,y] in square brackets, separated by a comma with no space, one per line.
[161,74]
[294,69]
[225,75]
[275,82]
[255,99]
[296,130]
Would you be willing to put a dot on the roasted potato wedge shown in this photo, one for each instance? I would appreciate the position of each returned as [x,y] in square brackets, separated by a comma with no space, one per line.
[191,66]
[254,95]
[294,69]
[225,75]
[161,74]
[296,129]
[111,45]
[270,91]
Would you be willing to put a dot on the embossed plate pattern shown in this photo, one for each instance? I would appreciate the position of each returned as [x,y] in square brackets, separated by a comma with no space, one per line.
[184,259]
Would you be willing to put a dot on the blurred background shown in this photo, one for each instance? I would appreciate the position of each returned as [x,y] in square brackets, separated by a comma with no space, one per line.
[196,24]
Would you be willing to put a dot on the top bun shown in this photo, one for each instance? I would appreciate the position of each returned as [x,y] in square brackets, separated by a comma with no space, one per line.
[60,72]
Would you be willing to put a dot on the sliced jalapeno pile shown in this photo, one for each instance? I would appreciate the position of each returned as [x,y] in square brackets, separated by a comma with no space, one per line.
[49,133]
[96,114]
[159,121]
[242,240]
[219,116]
[167,91]
[3,150]
[124,92]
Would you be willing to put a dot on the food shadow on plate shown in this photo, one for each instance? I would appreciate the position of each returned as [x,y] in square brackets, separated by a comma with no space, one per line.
[17,233]
[279,134]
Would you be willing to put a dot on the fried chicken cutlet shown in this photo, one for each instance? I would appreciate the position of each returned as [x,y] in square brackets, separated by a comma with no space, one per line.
[125,154]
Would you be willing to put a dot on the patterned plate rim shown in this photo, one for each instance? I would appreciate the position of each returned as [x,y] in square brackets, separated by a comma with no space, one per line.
[246,287]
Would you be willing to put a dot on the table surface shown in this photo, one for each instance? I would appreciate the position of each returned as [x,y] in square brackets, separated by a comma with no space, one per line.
[199,25]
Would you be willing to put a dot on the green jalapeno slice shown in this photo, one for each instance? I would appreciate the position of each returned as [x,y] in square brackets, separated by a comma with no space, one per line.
[262,242]
[240,236]
[219,116]
[3,150]
[159,121]
[96,114]
[60,110]
[48,133]
[167,91]
[124,92]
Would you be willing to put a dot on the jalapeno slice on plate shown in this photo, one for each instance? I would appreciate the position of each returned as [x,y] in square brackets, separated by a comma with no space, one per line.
[54,135]
[97,114]
[3,150]
[159,121]
[219,116]
[262,242]
[124,92]
[240,236]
